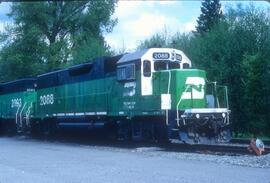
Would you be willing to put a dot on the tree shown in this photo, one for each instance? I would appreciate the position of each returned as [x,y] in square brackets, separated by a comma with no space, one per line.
[159,40]
[60,33]
[23,56]
[256,90]
[210,15]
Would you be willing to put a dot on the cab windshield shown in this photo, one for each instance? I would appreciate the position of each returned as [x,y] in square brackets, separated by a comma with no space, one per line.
[166,65]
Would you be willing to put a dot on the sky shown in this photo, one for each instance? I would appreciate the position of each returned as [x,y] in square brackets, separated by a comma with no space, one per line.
[139,20]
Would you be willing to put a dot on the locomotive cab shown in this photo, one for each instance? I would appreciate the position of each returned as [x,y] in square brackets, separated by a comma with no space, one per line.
[160,59]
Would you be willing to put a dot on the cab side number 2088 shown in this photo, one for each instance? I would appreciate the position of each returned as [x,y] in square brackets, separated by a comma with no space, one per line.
[46,99]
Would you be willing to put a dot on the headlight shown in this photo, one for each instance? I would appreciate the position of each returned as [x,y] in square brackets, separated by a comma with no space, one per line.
[223,115]
[197,116]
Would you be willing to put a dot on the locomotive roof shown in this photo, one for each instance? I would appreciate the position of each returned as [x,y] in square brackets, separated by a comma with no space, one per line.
[92,69]
[65,69]
[108,61]
[132,56]
[17,85]
[23,80]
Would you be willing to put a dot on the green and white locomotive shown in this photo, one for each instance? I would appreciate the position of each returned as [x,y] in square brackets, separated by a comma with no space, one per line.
[152,94]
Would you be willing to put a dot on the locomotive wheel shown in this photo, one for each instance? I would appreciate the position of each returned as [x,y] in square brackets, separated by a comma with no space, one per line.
[161,134]
[112,131]
[48,128]
[35,128]
[11,127]
[1,128]
[123,130]
[149,129]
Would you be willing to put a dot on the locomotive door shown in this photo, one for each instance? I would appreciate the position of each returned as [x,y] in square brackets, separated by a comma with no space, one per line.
[146,78]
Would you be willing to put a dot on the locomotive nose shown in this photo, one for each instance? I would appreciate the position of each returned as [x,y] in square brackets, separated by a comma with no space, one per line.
[196,123]
[189,89]
[186,87]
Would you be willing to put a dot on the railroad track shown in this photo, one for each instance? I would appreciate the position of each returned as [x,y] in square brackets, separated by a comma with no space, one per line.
[227,149]
[247,141]
[176,146]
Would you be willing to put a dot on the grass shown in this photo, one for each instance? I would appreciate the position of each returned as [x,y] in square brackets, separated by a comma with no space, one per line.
[246,136]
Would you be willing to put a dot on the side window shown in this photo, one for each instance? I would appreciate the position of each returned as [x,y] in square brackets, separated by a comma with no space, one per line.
[146,68]
[126,72]
[120,73]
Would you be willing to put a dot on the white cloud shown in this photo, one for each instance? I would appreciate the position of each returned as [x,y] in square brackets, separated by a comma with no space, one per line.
[146,25]
[112,40]
[167,2]
[126,8]
[188,27]
[135,30]
[139,20]
[1,26]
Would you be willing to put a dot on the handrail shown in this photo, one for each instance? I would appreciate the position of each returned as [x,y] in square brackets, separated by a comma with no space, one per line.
[16,121]
[168,92]
[227,102]
[177,106]
[28,113]
[215,90]
[21,113]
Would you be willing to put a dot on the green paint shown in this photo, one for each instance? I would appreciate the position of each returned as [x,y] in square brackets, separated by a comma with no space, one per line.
[107,95]
[15,103]
[178,86]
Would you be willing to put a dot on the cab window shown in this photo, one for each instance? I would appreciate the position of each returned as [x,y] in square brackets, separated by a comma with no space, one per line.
[166,65]
[146,68]
[160,65]
[174,65]
[186,66]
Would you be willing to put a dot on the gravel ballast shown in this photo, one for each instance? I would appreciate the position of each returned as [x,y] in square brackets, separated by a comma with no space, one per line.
[31,161]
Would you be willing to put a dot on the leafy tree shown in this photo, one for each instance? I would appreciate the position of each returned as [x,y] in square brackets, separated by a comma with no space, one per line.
[89,48]
[210,15]
[251,32]
[182,42]
[22,56]
[256,90]
[64,31]
[159,40]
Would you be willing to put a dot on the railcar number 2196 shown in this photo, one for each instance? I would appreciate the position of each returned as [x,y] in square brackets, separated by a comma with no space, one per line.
[17,102]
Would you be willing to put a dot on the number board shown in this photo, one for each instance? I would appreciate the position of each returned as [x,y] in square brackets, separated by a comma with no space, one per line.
[161,55]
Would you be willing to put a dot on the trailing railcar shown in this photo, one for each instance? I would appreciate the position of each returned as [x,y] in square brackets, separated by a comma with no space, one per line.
[16,102]
[151,94]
